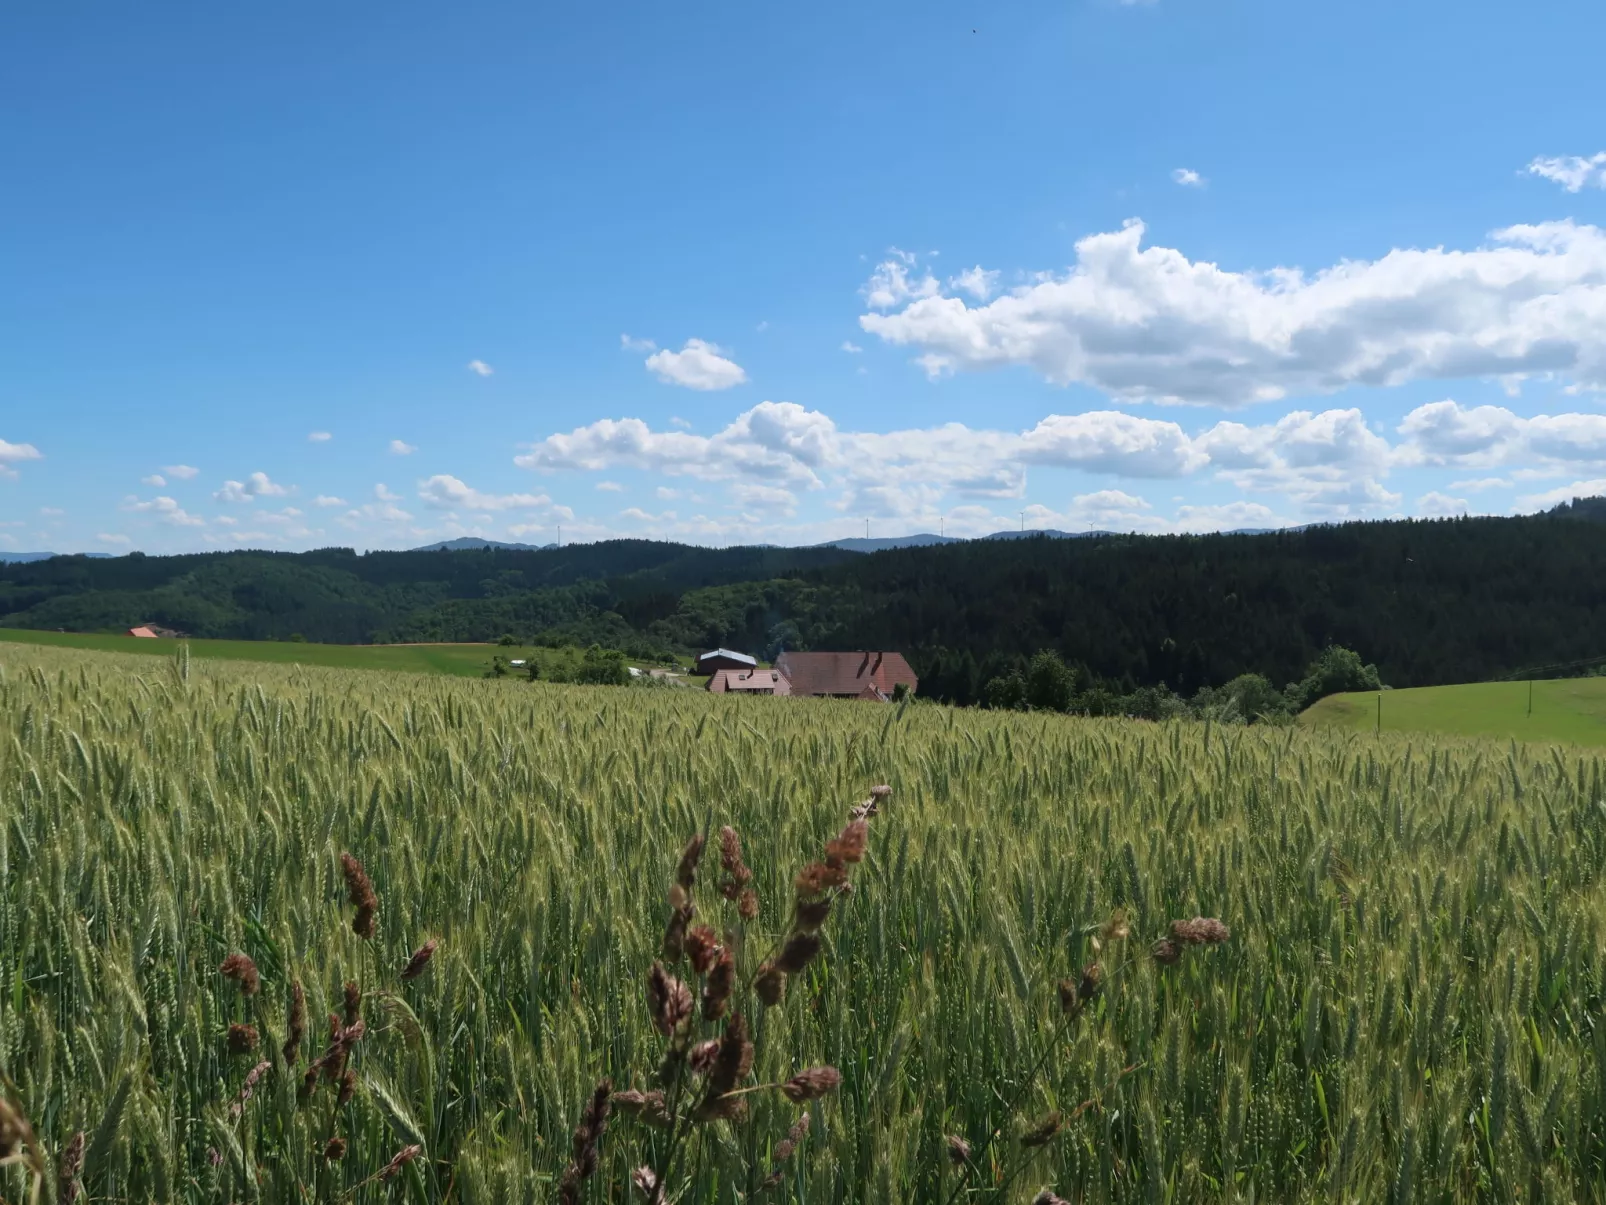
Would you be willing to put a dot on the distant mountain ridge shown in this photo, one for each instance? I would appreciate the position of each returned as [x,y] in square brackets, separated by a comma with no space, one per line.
[24,558]
[473,543]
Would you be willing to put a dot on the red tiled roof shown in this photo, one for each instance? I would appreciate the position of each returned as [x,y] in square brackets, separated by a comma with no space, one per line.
[146,632]
[854,675]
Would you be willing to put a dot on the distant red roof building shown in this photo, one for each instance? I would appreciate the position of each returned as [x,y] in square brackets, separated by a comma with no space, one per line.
[861,675]
[749,682]
[144,633]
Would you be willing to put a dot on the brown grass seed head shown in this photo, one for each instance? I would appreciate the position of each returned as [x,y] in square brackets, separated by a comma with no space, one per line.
[958,1150]
[783,1151]
[334,1150]
[296,1025]
[1043,1132]
[798,952]
[360,892]
[733,1060]
[849,845]
[243,971]
[1166,952]
[417,964]
[701,1056]
[72,1162]
[400,1160]
[646,1183]
[242,1039]
[348,1088]
[668,1000]
[747,904]
[686,872]
[811,1084]
[719,985]
[1047,1198]
[587,1140]
[353,1003]
[770,985]
[1200,931]
[702,947]
[650,1107]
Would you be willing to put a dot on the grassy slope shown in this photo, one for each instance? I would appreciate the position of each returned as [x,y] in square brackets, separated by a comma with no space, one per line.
[460,660]
[1571,710]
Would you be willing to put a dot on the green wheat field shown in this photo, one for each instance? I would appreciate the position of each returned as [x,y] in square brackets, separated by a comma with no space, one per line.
[1409,1007]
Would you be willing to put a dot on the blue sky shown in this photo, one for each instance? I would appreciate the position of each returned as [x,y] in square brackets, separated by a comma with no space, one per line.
[299,275]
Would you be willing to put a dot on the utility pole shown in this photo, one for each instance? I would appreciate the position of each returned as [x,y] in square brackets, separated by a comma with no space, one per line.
[1379,713]
[560,535]
[1023,522]
[867,528]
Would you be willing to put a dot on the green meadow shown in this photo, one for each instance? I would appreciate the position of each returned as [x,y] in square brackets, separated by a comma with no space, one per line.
[1569,710]
[456,660]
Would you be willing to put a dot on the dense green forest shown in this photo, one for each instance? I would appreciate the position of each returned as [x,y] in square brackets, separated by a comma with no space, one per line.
[1427,601]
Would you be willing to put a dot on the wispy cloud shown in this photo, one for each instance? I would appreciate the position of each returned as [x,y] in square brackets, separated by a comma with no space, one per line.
[318,437]
[1572,172]
[1188,178]
[181,472]
[631,343]
[165,509]
[445,492]
[401,448]
[480,368]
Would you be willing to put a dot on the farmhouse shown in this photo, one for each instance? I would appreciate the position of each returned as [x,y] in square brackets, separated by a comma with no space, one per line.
[861,675]
[710,663]
[749,682]
[870,675]
[142,632]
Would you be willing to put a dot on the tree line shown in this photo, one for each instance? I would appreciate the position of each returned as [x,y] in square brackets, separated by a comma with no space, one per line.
[1426,602]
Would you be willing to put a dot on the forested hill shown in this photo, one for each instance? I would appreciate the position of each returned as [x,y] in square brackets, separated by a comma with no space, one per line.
[333,595]
[1428,601]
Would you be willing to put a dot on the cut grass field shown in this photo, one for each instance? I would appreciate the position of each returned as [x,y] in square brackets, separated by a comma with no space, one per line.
[455,660]
[459,660]
[1569,710]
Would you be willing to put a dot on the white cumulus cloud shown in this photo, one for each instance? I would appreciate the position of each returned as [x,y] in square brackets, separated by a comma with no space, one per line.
[1188,178]
[327,500]
[698,365]
[445,492]
[480,368]
[1146,323]
[12,454]
[155,479]
[182,472]
[164,509]
[400,448]
[1572,172]
[257,485]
